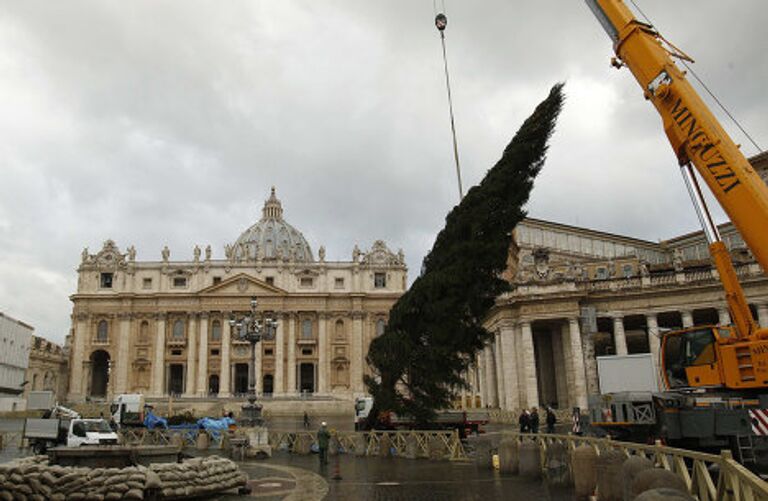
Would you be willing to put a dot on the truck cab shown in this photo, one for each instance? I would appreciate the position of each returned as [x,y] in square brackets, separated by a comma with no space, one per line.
[90,432]
[128,410]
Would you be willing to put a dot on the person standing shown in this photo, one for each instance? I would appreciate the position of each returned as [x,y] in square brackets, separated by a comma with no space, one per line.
[323,437]
[525,421]
[306,420]
[534,419]
[551,420]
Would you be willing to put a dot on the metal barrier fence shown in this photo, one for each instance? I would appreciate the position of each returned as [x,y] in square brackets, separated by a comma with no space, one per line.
[435,444]
[10,439]
[709,477]
[186,437]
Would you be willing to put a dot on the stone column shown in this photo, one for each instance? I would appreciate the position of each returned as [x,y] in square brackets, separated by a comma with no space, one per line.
[762,315]
[619,337]
[123,353]
[490,364]
[158,367]
[291,390]
[258,368]
[723,316]
[500,382]
[76,390]
[528,356]
[687,317]
[483,381]
[322,355]
[191,379]
[224,371]
[279,383]
[202,367]
[560,366]
[652,322]
[565,339]
[356,369]
[577,361]
[509,354]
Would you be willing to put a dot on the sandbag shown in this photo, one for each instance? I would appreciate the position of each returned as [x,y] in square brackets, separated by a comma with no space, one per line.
[530,459]
[656,478]
[664,494]
[609,486]
[629,470]
[509,459]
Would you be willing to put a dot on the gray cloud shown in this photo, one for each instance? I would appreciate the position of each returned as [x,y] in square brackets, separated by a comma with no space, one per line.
[158,123]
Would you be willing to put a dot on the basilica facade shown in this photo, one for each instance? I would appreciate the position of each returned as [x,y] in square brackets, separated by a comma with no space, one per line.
[163,327]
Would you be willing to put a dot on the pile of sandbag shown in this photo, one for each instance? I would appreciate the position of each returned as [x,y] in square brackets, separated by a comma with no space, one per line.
[198,477]
[34,479]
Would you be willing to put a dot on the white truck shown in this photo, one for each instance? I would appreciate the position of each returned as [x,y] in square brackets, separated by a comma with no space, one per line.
[70,432]
[128,410]
[625,406]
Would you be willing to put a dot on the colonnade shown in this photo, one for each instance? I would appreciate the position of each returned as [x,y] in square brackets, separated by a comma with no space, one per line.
[537,362]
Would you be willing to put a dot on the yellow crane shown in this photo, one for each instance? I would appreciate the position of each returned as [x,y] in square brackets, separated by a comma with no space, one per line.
[710,371]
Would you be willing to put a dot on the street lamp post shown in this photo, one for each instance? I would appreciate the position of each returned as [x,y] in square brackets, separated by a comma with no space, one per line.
[253,327]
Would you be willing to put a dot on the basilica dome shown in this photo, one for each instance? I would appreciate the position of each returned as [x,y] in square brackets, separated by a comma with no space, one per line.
[271,238]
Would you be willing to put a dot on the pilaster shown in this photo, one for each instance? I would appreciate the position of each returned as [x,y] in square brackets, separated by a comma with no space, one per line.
[202,367]
[291,390]
[509,368]
[158,366]
[123,353]
[577,361]
[191,379]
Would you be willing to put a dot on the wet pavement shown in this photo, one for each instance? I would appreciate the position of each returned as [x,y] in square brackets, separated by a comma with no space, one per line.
[288,476]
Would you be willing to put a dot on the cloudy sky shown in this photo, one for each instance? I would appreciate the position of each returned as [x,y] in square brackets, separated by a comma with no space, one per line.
[165,123]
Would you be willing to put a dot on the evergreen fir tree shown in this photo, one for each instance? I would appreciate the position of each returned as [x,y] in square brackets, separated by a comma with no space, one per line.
[435,329]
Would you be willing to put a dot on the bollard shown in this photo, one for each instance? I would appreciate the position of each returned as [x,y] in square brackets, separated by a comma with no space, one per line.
[203,441]
[411,446]
[629,470]
[664,494]
[530,459]
[584,468]
[556,464]
[509,459]
[483,457]
[385,446]
[609,465]
[656,478]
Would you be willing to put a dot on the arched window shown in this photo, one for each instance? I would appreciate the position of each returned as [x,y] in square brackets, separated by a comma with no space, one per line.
[144,331]
[306,329]
[216,331]
[178,329]
[102,332]
[339,329]
[34,381]
[380,326]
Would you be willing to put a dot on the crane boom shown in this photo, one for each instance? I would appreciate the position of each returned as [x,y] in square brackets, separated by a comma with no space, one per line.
[697,138]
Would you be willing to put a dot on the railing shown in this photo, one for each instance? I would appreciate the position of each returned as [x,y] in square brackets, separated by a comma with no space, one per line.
[709,477]
[438,444]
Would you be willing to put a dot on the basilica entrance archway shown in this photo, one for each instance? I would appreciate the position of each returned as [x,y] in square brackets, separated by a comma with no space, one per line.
[99,373]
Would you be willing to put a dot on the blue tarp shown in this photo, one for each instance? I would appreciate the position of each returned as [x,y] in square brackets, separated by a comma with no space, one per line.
[151,421]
